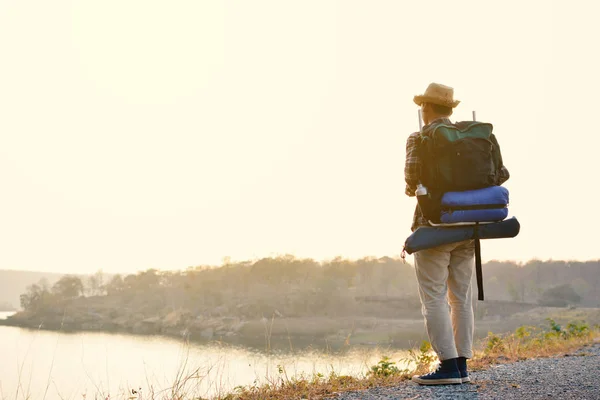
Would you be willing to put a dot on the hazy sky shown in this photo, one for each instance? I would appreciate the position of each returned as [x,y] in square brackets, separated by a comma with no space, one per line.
[167,134]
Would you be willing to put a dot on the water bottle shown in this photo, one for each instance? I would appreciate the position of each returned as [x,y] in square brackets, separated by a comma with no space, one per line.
[422,199]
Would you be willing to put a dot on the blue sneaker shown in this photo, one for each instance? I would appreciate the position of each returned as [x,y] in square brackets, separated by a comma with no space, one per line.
[462,368]
[446,374]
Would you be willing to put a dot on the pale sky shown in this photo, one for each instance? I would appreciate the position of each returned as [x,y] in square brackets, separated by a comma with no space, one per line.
[167,134]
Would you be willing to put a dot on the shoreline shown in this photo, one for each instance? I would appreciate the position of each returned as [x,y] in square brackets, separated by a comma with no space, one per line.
[290,333]
[287,334]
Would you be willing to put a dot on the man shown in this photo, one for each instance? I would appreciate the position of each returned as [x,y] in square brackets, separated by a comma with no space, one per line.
[444,273]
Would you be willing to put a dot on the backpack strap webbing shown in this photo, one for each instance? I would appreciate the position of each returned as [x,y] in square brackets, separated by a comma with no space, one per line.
[478,269]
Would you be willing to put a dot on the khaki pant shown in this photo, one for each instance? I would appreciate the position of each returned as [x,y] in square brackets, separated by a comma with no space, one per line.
[444,276]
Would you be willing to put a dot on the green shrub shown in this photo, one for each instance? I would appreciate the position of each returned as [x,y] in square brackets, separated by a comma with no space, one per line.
[385,367]
[494,343]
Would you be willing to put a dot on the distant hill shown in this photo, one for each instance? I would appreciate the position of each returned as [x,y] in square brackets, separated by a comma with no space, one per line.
[14,283]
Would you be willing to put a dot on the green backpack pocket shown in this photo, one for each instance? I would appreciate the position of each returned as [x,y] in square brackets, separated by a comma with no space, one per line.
[458,157]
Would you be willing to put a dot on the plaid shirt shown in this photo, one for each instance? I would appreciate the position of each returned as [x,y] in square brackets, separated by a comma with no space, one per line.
[412,170]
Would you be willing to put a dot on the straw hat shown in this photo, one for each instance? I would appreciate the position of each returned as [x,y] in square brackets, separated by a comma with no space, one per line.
[437,94]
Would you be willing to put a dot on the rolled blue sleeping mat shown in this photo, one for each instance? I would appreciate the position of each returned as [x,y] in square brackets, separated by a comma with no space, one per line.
[480,205]
[426,237]
[489,195]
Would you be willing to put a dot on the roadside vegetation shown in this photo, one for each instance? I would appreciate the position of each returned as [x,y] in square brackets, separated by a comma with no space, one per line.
[526,342]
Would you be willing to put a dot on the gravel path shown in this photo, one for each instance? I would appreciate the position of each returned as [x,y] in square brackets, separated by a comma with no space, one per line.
[574,377]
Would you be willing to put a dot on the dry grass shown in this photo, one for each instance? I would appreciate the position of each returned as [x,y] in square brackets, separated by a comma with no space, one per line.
[525,343]
[314,388]
[529,342]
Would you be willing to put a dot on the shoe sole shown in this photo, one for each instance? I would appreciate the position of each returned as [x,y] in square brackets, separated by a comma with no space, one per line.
[447,381]
[466,379]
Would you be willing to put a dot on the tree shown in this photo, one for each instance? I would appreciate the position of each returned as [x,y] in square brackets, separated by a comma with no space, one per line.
[148,280]
[68,286]
[115,286]
[95,284]
[34,296]
[516,292]
[559,296]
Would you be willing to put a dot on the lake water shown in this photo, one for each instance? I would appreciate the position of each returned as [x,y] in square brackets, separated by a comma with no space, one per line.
[39,364]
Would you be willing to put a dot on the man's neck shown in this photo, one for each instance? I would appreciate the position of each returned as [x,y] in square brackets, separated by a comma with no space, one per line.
[437,119]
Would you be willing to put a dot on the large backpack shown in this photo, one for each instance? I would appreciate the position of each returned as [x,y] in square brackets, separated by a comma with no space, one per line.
[455,157]
[458,157]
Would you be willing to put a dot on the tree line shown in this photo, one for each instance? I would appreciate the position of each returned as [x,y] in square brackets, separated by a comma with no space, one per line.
[296,287]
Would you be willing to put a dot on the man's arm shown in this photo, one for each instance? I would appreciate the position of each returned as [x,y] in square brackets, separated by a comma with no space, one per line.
[412,165]
[502,173]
